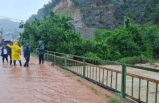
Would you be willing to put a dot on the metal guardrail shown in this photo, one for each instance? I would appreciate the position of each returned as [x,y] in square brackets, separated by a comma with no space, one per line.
[116,80]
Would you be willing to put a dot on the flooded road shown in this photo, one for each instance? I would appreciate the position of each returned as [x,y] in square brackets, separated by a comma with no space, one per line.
[44,84]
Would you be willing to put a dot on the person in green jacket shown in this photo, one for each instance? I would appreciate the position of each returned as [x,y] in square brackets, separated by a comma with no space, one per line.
[41,51]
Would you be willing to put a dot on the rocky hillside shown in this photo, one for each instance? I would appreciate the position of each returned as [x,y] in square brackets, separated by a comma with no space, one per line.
[10,29]
[108,14]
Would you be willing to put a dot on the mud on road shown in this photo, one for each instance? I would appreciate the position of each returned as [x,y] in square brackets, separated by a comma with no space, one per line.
[46,84]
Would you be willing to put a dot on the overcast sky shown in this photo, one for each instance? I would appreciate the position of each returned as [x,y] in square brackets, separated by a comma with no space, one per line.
[20,9]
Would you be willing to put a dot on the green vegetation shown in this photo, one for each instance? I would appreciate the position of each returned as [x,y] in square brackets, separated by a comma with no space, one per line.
[130,44]
[93,89]
[33,54]
[79,80]
[92,55]
[113,1]
[154,14]
[140,11]
[115,100]
[133,43]
[135,59]
[56,32]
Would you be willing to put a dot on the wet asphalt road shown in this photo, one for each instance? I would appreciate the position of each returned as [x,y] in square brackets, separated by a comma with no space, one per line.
[41,84]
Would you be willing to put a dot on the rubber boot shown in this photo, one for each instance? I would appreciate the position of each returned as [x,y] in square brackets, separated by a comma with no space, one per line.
[14,63]
[20,62]
[10,62]
[25,64]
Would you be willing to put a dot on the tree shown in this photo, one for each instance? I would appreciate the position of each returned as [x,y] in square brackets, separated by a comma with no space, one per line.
[57,33]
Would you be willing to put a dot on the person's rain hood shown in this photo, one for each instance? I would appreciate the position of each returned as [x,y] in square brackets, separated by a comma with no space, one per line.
[27,45]
[16,43]
[40,42]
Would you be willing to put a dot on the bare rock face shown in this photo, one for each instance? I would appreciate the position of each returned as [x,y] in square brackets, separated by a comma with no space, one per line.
[86,32]
[99,17]
[92,13]
[62,5]
[107,14]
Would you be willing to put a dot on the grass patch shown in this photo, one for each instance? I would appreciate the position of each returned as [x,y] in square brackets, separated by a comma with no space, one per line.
[79,80]
[93,89]
[67,75]
[33,54]
[115,100]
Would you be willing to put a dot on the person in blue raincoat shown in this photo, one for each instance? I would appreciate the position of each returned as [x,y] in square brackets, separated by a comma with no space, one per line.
[41,51]
[27,54]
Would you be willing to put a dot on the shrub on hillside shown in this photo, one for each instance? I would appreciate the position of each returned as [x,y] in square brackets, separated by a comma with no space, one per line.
[135,59]
[94,58]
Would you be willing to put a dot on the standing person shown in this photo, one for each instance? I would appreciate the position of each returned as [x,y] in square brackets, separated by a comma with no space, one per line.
[27,55]
[16,52]
[19,44]
[41,52]
[4,53]
[10,53]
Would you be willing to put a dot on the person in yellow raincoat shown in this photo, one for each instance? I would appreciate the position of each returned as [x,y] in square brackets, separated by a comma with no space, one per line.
[16,52]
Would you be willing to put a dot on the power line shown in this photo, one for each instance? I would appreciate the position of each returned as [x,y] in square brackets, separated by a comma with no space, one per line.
[12,18]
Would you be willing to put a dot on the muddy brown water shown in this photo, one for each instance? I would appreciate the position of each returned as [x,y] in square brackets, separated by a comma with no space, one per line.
[43,84]
[92,73]
[143,91]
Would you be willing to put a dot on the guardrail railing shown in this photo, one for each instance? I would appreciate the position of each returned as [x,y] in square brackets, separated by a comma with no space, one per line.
[135,82]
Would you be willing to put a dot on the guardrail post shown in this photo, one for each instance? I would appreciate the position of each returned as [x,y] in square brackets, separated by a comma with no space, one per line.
[123,82]
[65,59]
[47,55]
[44,55]
[84,68]
[54,58]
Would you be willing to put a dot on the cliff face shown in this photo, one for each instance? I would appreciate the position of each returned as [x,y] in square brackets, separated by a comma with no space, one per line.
[89,15]
[63,4]
[99,17]
[67,8]
[108,14]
